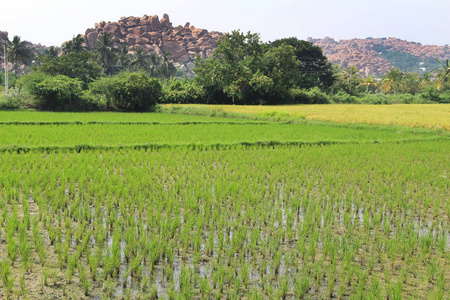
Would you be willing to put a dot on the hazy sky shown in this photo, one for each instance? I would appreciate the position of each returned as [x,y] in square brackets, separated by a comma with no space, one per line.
[51,22]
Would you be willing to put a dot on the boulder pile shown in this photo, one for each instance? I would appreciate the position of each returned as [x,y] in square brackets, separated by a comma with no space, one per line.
[157,37]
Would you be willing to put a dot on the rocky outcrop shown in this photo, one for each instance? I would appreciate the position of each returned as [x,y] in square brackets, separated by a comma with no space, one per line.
[157,36]
[21,69]
[367,54]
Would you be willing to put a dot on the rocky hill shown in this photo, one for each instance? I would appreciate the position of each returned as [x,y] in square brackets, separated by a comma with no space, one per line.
[377,56]
[36,49]
[157,37]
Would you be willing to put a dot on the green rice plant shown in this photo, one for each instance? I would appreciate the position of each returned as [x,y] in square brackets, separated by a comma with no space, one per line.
[45,276]
[152,294]
[7,279]
[93,265]
[12,248]
[205,288]
[84,281]
[302,286]
[397,291]
[282,290]
[71,265]
[331,280]
[23,288]
[432,270]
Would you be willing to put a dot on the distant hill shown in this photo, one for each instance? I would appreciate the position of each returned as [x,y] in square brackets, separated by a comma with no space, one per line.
[158,36]
[377,56]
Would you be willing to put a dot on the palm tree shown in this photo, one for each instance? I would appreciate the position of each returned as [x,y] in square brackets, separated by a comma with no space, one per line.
[77,43]
[124,58]
[18,52]
[391,81]
[350,77]
[368,82]
[167,68]
[53,51]
[67,47]
[443,75]
[105,53]
[140,60]
[74,45]
[154,69]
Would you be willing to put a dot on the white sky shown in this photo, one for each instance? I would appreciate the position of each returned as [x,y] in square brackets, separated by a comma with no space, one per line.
[51,22]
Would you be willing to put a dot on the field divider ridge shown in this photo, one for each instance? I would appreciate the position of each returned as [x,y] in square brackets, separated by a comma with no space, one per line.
[193,146]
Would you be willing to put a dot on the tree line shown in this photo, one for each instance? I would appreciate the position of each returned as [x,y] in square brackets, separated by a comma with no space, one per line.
[243,70]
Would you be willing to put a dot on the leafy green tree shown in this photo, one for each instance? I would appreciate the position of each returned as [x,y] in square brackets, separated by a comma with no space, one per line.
[231,68]
[315,68]
[280,65]
[18,52]
[74,65]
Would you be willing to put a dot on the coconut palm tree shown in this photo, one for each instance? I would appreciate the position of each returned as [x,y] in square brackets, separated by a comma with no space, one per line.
[368,82]
[124,58]
[105,53]
[167,68]
[53,51]
[154,68]
[77,43]
[350,76]
[18,52]
[391,81]
[140,60]
[443,75]
[67,47]
[74,45]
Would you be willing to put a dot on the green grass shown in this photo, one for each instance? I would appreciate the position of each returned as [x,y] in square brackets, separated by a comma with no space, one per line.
[110,117]
[211,133]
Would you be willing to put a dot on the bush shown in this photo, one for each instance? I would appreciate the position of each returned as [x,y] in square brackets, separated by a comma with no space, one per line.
[53,92]
[374,99]
[182,92]
[14,100]
[312,96]
[432,95]
[128,91]
[344,98]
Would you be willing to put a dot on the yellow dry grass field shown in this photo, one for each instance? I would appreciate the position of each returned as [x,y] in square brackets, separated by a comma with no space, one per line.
[435,116]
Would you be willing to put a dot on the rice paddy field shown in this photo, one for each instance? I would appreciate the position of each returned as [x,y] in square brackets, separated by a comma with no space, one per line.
[434,116]
[160,206]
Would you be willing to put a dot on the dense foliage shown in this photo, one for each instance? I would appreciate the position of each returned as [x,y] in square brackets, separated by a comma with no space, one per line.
[243,70]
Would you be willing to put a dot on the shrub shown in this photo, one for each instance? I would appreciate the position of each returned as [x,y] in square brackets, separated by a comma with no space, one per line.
[129,91]
[182,92]
[432,95]
[344,98]
[15,99]
[312,96]
[374,99]
[53,92]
